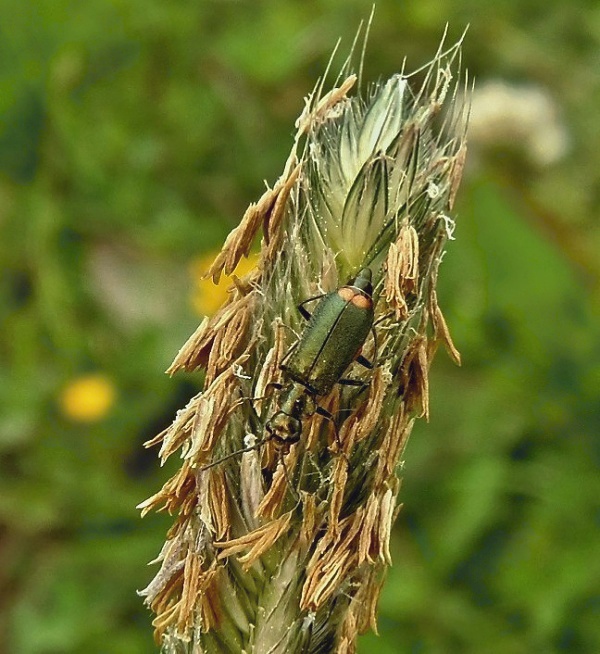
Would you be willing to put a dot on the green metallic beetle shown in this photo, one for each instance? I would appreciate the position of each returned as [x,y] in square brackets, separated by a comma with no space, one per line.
[331,341]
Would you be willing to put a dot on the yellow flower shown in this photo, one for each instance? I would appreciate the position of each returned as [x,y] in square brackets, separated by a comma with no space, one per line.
[207,296]
[88,398]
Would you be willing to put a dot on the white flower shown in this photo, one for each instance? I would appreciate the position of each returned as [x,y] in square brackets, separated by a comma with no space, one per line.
[522,117]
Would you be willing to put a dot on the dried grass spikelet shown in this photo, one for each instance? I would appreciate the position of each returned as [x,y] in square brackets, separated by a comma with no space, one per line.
[256,542]
[402,266]
[228,327]
[173,494]
[442,332]
[362,613]
[274,498]
[283,548]
[267,211]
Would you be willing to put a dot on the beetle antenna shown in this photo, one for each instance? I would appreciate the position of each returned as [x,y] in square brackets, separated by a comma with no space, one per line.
[256,445]
[288,479]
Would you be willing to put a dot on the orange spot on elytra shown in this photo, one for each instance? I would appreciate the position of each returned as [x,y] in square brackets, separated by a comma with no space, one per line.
[362,301]
[346,293]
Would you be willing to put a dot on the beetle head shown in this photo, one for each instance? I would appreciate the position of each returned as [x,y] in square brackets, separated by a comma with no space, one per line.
[363,282]
[284,429]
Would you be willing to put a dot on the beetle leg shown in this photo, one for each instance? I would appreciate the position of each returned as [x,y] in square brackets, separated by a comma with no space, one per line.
[326,414]
[364,362]
[272,384]
[323,412]
[303,312]
[287,354]
[353,382]
[389,314]
[359,358]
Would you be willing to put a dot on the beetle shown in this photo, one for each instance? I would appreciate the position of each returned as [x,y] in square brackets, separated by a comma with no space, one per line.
[330,342]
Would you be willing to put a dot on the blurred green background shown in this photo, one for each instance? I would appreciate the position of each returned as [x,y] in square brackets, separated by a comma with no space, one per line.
[132,137]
